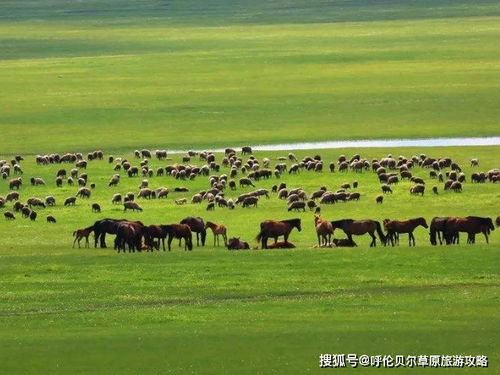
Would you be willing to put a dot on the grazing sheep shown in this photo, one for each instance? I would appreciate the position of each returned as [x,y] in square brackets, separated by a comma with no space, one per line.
[474,162]
[15,183]
[197,198]
[51,219]
[181,189]
[354,196]
[435,190]
[296,206]
[114,180]
[70,201]
[417,189]
[83,193]
[25,212]
[181,201]
[117,198]
[246,182]
[12,196]
[50,200]
[96,208]
[131,206]
[37,202]
[456,187]
[311,205]
[9,215]
[386,189]
[230,204]
[146,193]
[37,181]
[250,201]
[33,215]
[211,206]
[379,199]
[18,206]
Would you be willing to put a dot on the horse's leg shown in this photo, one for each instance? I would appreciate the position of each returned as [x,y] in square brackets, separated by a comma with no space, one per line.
[170,239]
[374,239]
[74,241]
[87,244]
[319,239]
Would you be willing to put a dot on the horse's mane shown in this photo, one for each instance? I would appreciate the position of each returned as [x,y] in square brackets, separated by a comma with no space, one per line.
[341,222]
[291,221]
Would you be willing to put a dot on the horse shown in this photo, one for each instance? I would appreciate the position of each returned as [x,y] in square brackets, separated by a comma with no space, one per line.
[437,228]
[180,231]
[274,229]
[79,234]
[471,225]
[153,232]
[403,226]
[130,233]
[236,244]
[101,227]
[324,230]
[218,230]
[196,225]
[359,227]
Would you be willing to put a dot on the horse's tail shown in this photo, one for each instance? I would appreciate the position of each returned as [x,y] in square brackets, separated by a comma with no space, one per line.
[432,234]
[380,232]
[74,233]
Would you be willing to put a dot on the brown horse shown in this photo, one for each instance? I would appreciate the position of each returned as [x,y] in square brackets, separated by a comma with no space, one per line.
[359,227]
[218,230]
[129,233]
[236,244]
[197,226]
[274,229]
[79,234]
[394,227]
[180,231]
[470,225]
[437,228]
[324,230]
[152,233]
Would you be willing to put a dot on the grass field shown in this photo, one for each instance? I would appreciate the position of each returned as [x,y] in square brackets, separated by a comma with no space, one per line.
[229,73]
[119,75]
[213,311]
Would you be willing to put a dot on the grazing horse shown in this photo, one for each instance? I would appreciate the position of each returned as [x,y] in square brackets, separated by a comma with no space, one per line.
[153,232]
[218,230]
[101,227]
[274,229]
[197,226]
[180,231]
[79,234]
[437,228]
[324,230]
[130,233]
[359,227]
[470,225]
[394,227]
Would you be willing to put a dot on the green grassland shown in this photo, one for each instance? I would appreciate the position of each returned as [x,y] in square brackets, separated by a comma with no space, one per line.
[190,75]
[214,311]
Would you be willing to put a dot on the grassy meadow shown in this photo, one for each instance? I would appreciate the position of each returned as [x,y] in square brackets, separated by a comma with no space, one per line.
[188,74]
[92,310]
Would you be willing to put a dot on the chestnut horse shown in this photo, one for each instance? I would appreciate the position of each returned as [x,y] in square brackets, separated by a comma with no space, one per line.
[103,227]
[470,225]
[394,227]
[79,234]
[218,230]
[180,231]
[129,233]
[324,230]
[196,225]
[359,227]
[153,232]
[274,229]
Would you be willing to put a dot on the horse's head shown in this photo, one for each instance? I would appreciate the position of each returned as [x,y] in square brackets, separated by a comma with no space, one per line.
[422,222]
[490,224]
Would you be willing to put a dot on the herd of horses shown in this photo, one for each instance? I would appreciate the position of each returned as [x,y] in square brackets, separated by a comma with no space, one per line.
[130,234]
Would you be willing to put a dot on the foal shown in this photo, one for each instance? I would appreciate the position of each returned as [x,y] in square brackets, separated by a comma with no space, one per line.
[218,230]
[324,230]
[79,234]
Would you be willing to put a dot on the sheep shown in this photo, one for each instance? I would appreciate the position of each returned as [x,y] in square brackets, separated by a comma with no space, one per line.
[379,199]
[131,206]
[96,208]
[70,201]
[50,200]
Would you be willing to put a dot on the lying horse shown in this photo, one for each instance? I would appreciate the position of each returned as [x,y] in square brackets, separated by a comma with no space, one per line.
[274,229]
[359,227]
[236,244]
